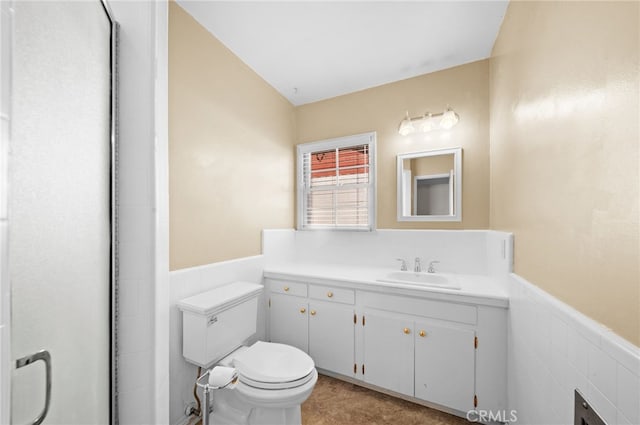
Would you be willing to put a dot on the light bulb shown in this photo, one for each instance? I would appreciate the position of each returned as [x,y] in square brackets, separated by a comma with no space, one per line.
[449,119]
[427,123]
[406,127]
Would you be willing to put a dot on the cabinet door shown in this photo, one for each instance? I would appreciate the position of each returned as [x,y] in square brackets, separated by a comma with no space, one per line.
[388,352]
[445,365]
[289,321]
[331,336]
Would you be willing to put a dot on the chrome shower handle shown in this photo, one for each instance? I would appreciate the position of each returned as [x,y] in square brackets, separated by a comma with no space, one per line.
[46,358]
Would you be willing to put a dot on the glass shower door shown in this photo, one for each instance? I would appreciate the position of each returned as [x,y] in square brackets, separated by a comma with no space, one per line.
[60,207]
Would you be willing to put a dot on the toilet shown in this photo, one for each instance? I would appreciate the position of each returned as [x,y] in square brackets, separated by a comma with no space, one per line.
[273,379]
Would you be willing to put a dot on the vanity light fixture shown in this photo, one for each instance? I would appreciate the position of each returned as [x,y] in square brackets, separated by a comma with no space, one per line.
[428,122]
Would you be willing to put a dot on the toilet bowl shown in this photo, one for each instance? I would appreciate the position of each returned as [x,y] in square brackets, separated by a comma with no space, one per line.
[273,379]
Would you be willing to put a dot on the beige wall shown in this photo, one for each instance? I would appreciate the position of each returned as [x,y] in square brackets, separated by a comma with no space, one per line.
[564,153]
[231,154]
[437,164]
[380,109]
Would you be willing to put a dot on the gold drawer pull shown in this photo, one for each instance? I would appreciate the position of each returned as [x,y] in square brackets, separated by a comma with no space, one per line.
[329,294]
[286,289]
[423,333]
[406,331]
[312,312]
[302,310]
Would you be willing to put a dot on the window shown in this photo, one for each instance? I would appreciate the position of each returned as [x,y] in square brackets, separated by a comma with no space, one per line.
[336,183]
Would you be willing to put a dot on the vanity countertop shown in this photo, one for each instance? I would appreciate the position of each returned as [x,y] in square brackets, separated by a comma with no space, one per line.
[475,289]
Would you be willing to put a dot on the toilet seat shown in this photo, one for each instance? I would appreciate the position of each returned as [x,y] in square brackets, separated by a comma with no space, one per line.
[275,385]
[272,366]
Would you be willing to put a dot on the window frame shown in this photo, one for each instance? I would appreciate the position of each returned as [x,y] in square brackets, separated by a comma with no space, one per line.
[330,144]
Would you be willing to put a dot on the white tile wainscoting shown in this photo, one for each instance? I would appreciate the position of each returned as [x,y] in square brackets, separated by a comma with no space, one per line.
[482,252]
[553,349]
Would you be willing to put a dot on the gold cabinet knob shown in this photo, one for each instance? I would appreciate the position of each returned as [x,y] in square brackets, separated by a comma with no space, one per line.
[329,294]
[423,333]
[302,310]
[407,331]
[286,289]
[312,312]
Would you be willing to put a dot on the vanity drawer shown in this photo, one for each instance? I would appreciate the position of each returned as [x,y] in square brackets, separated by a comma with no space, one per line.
[327,293]
[289,288]
[443,310]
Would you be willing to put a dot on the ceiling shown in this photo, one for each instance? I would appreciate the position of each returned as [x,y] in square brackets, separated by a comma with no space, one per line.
[310,51]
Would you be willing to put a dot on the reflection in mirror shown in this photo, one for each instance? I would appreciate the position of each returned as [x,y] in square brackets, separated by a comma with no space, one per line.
[430,185]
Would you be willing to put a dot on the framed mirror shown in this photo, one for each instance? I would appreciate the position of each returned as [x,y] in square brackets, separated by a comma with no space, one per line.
[430,185]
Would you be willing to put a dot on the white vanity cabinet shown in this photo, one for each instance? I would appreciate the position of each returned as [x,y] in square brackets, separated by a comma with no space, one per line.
[445,365]
[443,350]
[289,320]
[331,342]
[421,348]
[388,357]
[432,362]
[319,321]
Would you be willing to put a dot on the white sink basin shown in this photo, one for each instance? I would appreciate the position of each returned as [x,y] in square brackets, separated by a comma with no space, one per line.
[437,280]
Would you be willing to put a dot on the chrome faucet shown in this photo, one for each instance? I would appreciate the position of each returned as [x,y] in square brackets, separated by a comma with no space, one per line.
[403,265]
[416,267]
[431,269]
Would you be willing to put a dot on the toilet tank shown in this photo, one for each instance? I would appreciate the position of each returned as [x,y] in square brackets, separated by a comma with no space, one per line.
[216,322]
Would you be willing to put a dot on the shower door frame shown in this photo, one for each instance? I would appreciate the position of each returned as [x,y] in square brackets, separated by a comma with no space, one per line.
[114,275]
[6,362]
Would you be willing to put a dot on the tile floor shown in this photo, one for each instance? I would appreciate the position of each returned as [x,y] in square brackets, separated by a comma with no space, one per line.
[334,402]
